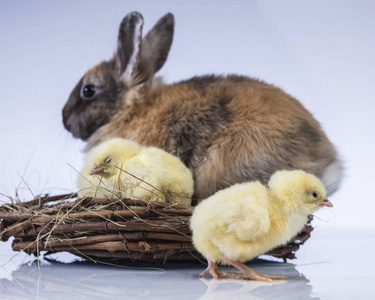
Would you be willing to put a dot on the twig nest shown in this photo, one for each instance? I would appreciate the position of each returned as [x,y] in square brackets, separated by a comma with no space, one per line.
[110,230]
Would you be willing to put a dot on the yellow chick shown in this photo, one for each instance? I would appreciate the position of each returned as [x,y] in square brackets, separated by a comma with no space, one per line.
[122,168]
[248,219]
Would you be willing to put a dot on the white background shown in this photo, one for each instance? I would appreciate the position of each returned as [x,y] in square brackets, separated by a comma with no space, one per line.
[321,52]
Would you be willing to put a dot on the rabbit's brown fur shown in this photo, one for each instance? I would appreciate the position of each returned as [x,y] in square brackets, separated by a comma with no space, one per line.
[226,129]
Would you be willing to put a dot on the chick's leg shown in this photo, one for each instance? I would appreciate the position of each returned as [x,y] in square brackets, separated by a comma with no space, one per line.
[249,273]
[216,273]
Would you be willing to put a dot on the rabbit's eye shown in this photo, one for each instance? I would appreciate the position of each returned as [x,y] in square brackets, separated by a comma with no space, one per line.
[88,91]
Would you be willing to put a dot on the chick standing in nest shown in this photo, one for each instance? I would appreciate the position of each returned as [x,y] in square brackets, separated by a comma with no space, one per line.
[123,168]
[248,219]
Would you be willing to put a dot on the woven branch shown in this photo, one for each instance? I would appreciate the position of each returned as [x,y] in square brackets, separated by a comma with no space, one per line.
[111,230]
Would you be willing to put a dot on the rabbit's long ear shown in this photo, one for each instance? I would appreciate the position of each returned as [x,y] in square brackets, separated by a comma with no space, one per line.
[129,46]
[156,45]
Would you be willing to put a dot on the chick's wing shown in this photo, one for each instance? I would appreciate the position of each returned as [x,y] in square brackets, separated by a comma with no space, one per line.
[249,219]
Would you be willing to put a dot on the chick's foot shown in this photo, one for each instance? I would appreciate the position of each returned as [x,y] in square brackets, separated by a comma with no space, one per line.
[216,273]
[250,274]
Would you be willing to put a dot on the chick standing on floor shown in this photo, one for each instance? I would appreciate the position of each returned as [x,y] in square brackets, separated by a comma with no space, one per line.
[248,219]
[122,168]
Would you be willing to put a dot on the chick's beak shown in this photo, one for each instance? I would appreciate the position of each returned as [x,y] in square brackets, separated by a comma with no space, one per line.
[326,202]
[96,170]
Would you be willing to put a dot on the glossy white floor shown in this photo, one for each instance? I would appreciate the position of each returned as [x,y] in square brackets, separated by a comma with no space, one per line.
[333,264]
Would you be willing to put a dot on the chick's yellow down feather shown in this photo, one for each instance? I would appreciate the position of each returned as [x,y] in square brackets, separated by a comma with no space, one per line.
[248,219]
[121,168]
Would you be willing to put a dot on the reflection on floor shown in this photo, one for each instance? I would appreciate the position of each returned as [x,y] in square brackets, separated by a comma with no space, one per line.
[88,280]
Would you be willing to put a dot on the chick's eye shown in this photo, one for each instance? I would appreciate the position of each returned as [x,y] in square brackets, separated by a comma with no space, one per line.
[107,160]
[88,91]
[315,195]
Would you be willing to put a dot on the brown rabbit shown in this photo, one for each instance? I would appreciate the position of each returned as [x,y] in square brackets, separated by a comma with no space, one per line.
[226,129]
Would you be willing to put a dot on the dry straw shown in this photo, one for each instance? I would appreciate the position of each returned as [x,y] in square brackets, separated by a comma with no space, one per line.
[113,230]
[109,230]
